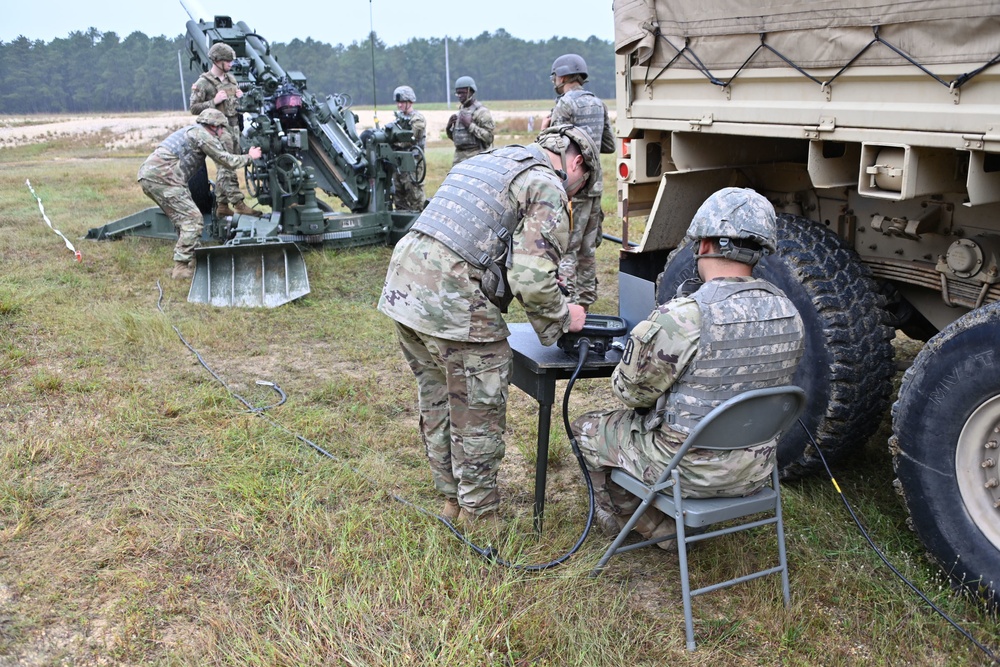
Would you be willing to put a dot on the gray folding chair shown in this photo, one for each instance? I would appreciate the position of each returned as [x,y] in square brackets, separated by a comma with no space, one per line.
[748,420]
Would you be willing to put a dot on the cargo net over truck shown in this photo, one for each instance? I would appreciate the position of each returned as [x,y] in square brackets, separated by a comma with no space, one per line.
[875,132]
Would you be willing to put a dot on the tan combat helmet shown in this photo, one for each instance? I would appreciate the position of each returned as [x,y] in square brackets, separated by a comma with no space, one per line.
[557,138]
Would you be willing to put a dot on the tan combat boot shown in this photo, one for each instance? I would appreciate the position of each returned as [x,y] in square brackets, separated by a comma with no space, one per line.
[243,209]
[653,524]
[486,524]
[183,270]
[223,211]
[451,509]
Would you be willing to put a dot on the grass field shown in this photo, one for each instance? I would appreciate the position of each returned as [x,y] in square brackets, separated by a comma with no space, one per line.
[146,518]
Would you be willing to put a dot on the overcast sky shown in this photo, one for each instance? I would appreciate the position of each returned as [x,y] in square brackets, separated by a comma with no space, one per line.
[331,21]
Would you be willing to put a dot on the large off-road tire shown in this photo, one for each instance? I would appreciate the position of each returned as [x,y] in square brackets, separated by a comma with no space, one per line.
[946,428]
[847,368]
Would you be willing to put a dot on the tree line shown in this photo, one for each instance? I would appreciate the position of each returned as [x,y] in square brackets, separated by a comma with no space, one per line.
[96,71]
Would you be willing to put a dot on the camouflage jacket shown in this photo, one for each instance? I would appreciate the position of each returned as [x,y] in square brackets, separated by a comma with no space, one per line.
[668,344]
[431,289]
[163,166]
[203,92]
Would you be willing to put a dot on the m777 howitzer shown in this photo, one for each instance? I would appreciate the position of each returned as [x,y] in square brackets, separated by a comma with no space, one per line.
[307,143]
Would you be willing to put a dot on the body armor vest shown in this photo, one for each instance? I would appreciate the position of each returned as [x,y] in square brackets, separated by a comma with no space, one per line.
[751,337]
[229,106]
[588,112]
[464,140]
[469,214]
[189,157]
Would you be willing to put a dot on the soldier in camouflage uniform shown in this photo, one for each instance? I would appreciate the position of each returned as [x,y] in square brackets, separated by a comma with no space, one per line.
[578,106]
[730,326]
[494,230]
[408,194]
[217,89]
[472,127]
[165,174]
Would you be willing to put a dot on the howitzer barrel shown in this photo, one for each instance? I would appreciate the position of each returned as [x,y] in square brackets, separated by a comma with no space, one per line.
[264,62]
[199,40]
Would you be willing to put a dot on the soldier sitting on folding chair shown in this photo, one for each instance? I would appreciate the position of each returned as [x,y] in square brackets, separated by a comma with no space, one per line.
[716,339]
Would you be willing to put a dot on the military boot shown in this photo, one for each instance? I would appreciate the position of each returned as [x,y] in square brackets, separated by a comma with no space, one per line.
[183,270]
[485,525]
[451,509]
[223,211]
[243,209]
[653,524]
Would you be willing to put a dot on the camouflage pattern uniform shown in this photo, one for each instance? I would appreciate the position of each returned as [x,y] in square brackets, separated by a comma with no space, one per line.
[475,138]
[203,91]
[408,195]
[455,339]
[578,268]
[742,329]
[165,174]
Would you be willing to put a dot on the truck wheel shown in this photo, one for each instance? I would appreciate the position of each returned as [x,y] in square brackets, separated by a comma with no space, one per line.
[846,369]
[946,426]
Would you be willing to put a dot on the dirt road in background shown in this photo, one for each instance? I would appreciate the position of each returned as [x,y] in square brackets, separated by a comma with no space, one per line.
[148,129]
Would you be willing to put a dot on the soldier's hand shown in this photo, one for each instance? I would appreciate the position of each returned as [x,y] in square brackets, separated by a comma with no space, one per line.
[220,97]
[547,122]
[254,152]
[577,317]
[239,93]
[465,119]
[452,121]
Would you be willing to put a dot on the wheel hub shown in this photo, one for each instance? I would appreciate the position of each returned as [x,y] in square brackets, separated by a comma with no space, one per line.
[977,468]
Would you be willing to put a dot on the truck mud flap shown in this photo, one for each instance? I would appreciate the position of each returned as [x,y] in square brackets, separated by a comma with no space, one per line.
[254,275]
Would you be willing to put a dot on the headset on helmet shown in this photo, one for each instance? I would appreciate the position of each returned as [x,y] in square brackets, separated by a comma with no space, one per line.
[404,94]
[465,82]
[212,117]
[569,63]
[742,220]
[557,138]
[221,51]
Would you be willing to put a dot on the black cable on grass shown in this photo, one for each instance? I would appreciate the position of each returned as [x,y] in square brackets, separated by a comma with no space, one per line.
[885,560]
[488,553]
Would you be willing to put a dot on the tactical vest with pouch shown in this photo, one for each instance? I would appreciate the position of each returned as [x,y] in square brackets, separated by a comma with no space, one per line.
[751,337]
[465,140]
[469,214]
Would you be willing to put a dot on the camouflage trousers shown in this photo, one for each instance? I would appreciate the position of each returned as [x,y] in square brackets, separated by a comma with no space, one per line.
[408,195]
[618,439]
[578,267]
[175,201]
[227,183]
[462,390]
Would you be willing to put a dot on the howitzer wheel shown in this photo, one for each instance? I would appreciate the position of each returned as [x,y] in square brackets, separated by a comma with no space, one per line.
[420,171]
[288,174]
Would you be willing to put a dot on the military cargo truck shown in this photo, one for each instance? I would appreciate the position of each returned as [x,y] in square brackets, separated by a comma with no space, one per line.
[874,130]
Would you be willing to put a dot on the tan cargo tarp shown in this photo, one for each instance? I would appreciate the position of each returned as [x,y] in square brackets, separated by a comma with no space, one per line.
[812,34]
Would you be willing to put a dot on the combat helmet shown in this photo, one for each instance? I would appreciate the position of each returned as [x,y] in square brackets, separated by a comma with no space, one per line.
[465,82]
[221,51]
[557,138]
[569,63]
[404,94]
[212,117]
[739,217]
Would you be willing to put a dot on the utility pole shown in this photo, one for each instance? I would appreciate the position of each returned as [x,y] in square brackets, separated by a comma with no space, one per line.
[180,70]
[447,75]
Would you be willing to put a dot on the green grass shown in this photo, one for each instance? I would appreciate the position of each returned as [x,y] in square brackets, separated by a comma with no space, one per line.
[147,519]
